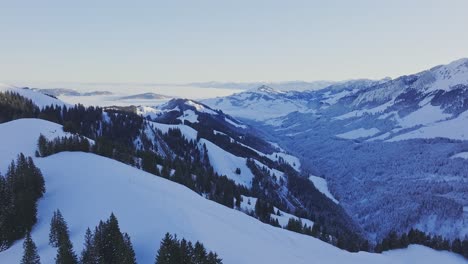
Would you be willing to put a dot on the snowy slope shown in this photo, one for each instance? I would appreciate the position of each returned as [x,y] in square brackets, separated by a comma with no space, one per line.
[322,186]
[87,188]
[456,128]
[359,133]
[25,133]
[41,100]
[188,132]
[248,205]
[388,136]
[259,104]
[224,163]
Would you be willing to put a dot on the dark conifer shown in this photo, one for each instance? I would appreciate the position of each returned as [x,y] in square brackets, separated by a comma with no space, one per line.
[129,254]
[30,255]
[88,255]
[59,237]
[164,255]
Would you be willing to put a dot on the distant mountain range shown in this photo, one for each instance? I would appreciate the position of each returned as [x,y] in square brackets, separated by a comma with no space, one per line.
[394,150]
[146,96]
[70,92]
[284,86]
[347,164]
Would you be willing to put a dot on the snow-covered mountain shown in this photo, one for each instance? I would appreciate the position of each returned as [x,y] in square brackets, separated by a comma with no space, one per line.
[207,150]
[39,99]
[234,157]
[146,96]
[229,142]
[266,103]
[392,150]
[70,92]
[87,188]
[283,86]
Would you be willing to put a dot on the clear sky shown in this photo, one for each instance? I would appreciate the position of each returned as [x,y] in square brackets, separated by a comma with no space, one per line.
[185,41]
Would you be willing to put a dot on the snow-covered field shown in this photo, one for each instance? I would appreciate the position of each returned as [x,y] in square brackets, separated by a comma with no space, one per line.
[87,188]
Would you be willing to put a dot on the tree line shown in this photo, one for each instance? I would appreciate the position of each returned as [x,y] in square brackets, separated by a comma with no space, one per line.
[107,244]
[20,189]
[415,236]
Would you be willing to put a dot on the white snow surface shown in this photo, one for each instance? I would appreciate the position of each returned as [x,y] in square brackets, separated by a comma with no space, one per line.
[39,99]
[145,111]
[359,133]
[447,76]
[256,105]
[21,136]
[463,155]
[372,111]
[290,159]
[425,115]
[234,123]
[189,115]
[456,128]
[87,188]
[188,132]
[200,108]
[225,163]
[322,186]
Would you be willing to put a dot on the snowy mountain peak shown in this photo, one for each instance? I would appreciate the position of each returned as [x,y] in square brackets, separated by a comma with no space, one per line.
[447,76]
[146,96]
[266,89]
[457,64]
[186,104]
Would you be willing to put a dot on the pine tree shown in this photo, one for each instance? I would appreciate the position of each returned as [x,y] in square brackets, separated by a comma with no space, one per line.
[164,252]
[108,244]
[65,253]
[58,227]
[59,237]
[129,254]
[199,253]
[457,246]
[213,259]
[185,251]
[22,186]
[88,255]
[464,247]
[30,255]
[42,146]
[173,251]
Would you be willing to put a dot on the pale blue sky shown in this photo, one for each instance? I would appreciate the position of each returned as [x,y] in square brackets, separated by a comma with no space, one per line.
[184,41]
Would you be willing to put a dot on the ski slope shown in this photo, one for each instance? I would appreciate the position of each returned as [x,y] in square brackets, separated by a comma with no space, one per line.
[87,188]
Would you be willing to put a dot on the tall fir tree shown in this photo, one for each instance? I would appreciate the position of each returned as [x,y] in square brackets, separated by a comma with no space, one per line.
[129,256]
[88,255]
[65,253]
[58,227]
[164,255]
[20,190]
[107,244]
[59,237]
[30,255]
